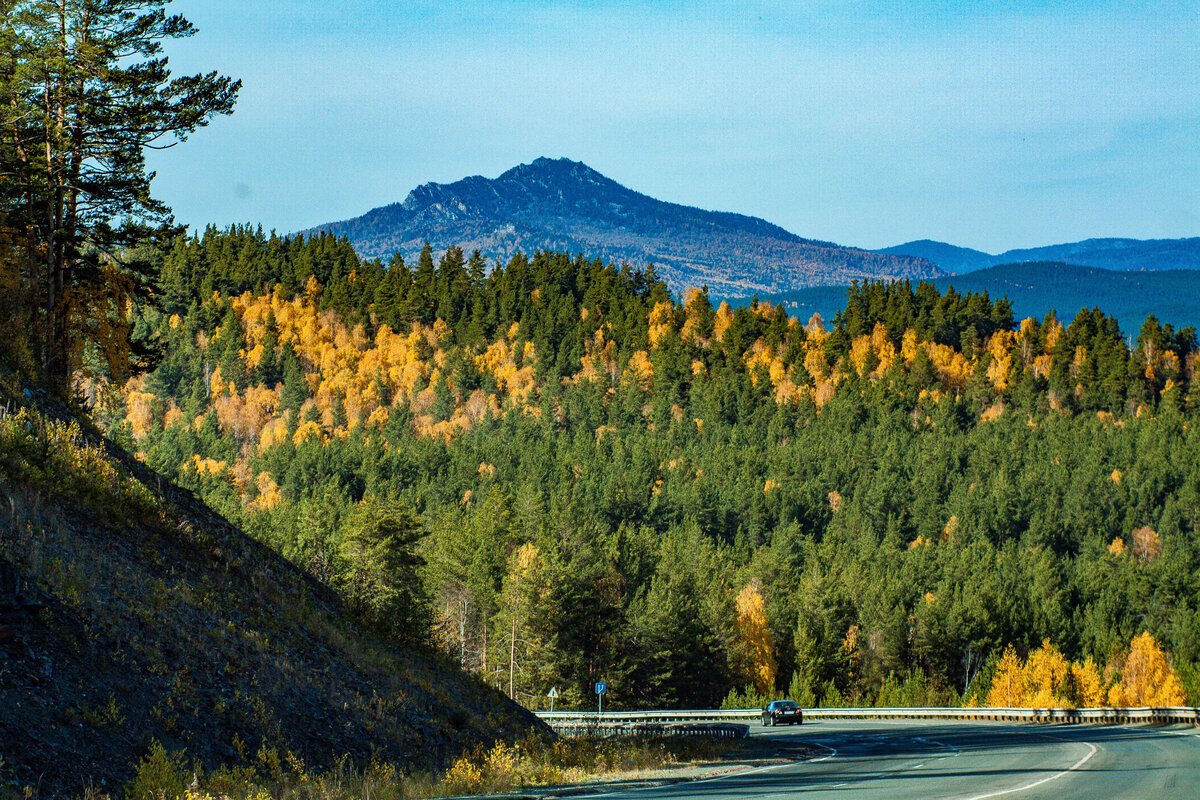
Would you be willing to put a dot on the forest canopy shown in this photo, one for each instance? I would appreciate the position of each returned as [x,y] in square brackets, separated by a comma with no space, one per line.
[587,478]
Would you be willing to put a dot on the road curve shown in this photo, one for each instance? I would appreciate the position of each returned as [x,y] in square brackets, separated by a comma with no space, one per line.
[902,759]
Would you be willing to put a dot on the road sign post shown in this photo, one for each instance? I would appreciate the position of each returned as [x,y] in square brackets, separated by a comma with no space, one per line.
[601,688]
[553,694]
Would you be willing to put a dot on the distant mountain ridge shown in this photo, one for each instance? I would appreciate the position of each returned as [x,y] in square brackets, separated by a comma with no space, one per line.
[1036,287]
[559,204]
[1111,254]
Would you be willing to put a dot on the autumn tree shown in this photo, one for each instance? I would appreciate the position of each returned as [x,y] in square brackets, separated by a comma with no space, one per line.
[1147,677]
[754,649]
[87,91]
[1008,684]
[1047,678]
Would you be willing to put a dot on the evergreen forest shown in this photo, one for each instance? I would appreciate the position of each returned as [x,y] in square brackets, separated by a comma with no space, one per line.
[556,472]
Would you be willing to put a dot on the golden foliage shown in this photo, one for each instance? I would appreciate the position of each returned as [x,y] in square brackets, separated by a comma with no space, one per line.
[1089,688]
[693,300]
[245,415]
[662,321]
[1117,548]
[139,407]
[816,364]
[1047,678]
[207,466]
[272,433]
[950,529]
[1146,545]
[309,431]
[1141,677]
[860,350]
[1147,677]
[724,318]
[641,370]
[953,369]
[992,412]
[174,415]
[1000,349]
[908,346]
[269,495]
[1008,684]
[754,643]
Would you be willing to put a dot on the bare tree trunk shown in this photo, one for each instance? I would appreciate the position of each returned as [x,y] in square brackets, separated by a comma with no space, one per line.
[462,633]
[512,657]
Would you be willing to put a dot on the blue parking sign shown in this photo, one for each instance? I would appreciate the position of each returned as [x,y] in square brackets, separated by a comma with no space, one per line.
[601,687]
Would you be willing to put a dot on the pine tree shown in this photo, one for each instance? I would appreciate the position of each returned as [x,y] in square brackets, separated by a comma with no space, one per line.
[295,387]
[87,91]
[381,568]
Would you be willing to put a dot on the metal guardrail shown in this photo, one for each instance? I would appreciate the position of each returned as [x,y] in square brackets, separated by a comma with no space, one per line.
[593,727]
[1175,714]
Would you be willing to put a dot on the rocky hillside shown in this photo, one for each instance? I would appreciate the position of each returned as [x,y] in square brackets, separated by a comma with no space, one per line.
[567,206]
[131,614]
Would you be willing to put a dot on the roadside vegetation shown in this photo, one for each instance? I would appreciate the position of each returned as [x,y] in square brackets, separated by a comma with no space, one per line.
[534,761]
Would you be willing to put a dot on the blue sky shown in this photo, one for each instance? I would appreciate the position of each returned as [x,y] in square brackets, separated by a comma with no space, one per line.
[986,124]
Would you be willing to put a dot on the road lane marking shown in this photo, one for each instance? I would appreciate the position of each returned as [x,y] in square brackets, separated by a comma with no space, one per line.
[1054,777]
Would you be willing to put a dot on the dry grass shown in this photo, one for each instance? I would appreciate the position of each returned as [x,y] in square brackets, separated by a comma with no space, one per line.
[535,761]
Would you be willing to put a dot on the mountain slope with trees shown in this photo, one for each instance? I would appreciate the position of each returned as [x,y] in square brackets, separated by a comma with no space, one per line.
[563,205]
[687,500]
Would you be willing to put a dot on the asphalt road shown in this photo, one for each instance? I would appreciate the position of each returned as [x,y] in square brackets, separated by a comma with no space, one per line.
[901,759]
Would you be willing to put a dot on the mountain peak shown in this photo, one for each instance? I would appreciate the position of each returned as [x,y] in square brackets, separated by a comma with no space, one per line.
[553,168]
[565,205]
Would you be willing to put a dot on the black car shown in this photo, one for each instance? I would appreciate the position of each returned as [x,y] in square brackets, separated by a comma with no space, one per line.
[779,711]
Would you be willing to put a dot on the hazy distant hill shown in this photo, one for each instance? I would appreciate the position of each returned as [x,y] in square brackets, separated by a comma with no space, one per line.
[947,256]
[1036,287]
[1113,254]
[565,205]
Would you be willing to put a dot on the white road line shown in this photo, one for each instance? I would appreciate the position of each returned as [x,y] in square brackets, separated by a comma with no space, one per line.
[1054,777]
[957,752]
